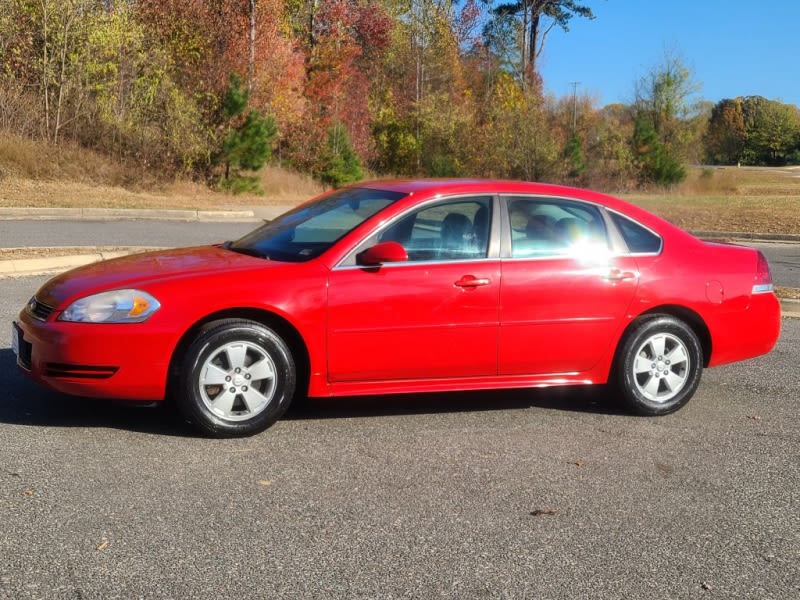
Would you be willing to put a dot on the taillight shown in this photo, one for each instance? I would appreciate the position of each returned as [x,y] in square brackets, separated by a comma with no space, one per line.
[763,278]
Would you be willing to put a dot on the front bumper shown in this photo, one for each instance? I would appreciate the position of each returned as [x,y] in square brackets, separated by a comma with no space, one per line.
[126,362]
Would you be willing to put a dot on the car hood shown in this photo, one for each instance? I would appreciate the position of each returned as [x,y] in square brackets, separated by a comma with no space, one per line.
[141,269]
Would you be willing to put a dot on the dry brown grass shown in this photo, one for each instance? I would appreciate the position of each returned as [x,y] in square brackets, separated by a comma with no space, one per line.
[759,200]
[36,174]
[28,159]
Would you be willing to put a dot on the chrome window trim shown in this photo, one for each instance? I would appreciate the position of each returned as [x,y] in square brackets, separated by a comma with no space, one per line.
[417,263]
[491,250]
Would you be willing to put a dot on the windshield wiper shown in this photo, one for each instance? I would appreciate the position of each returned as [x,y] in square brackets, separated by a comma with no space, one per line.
[246,251]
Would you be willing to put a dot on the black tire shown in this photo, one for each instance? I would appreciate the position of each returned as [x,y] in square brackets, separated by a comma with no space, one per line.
[236,379]
[658,366]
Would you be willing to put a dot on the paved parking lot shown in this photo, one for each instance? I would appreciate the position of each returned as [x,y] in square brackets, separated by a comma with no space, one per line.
[523,494]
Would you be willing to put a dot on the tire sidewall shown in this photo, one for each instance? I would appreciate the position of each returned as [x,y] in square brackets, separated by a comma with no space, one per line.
[190,400]
[626,381]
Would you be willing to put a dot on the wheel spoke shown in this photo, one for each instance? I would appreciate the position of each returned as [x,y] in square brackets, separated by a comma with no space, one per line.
[658,344]
[213,375]
[254,399]
[262,370]
[674,382]
[651,387]
[677,355]
[236,355]
[223,404]
[642,365]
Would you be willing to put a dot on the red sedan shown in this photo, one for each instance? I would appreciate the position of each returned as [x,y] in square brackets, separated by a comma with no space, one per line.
[406,286]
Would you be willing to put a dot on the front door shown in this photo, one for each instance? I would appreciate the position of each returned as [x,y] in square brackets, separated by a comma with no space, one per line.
[434,316]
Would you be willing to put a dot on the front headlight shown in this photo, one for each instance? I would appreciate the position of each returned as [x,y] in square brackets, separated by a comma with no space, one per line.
[119,306]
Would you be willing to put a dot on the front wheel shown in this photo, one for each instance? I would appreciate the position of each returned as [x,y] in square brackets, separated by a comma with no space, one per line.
[659,366]
[237,378]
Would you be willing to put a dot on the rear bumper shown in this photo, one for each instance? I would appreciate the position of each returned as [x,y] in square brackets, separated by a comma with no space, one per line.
[127,362]
[748,333]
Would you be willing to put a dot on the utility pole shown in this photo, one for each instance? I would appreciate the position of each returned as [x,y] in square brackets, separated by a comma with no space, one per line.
[574,85]
[251,63]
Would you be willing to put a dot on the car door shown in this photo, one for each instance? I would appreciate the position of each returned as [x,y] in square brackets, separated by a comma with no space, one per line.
[565,292]
[432,316]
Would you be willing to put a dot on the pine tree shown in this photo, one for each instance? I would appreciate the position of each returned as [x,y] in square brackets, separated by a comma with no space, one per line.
[341,164]
[573,152]
[656,163]
[248,143]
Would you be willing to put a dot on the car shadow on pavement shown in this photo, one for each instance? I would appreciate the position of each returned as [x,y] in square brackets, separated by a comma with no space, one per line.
[583,399]
[26,403]
[23,402]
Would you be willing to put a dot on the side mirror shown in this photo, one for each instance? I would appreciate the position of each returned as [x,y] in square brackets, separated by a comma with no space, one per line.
[384,252]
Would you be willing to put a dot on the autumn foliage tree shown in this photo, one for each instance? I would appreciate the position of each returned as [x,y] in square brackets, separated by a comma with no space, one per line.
[390,87]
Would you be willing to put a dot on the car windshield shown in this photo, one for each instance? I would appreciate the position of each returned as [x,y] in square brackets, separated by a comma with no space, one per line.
[309,230]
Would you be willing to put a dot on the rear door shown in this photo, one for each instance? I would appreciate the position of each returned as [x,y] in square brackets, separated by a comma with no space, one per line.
[564,293]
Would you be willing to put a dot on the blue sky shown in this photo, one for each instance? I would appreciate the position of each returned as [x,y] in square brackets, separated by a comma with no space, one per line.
[735,48]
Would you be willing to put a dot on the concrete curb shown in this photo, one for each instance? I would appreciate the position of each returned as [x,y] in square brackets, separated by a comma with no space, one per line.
[790,309]
[24,267]
[750,237]
[130,214]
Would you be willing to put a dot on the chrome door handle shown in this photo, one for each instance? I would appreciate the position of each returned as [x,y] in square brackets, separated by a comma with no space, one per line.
[619,275]
[470,281]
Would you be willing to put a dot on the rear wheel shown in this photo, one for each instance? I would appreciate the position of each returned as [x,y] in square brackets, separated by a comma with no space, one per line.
[238,377]
[659,365]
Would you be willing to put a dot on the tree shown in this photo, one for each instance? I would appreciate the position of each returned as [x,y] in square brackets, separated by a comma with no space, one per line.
[726,136]
[573,152]
[529,22]
[48,35]
[771,130]
[341,164]
[515,139]
[424,101]
[611,163]
[247,144]
[752,130]
[656,163]
[662,113]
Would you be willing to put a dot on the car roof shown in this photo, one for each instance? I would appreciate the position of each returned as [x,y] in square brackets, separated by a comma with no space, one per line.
[501,186]
[410,186]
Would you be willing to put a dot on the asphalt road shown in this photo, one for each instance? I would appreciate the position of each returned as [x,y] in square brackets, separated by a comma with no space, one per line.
[518,495]
[784,258]
[784,262]
[17,234]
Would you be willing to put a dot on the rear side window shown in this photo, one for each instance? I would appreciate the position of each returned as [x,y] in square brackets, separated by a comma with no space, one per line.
[546,227]
[638,239]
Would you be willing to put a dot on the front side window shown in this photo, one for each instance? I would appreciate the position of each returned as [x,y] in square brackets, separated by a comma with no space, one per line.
[454,230]
[555,227]
[309,230]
